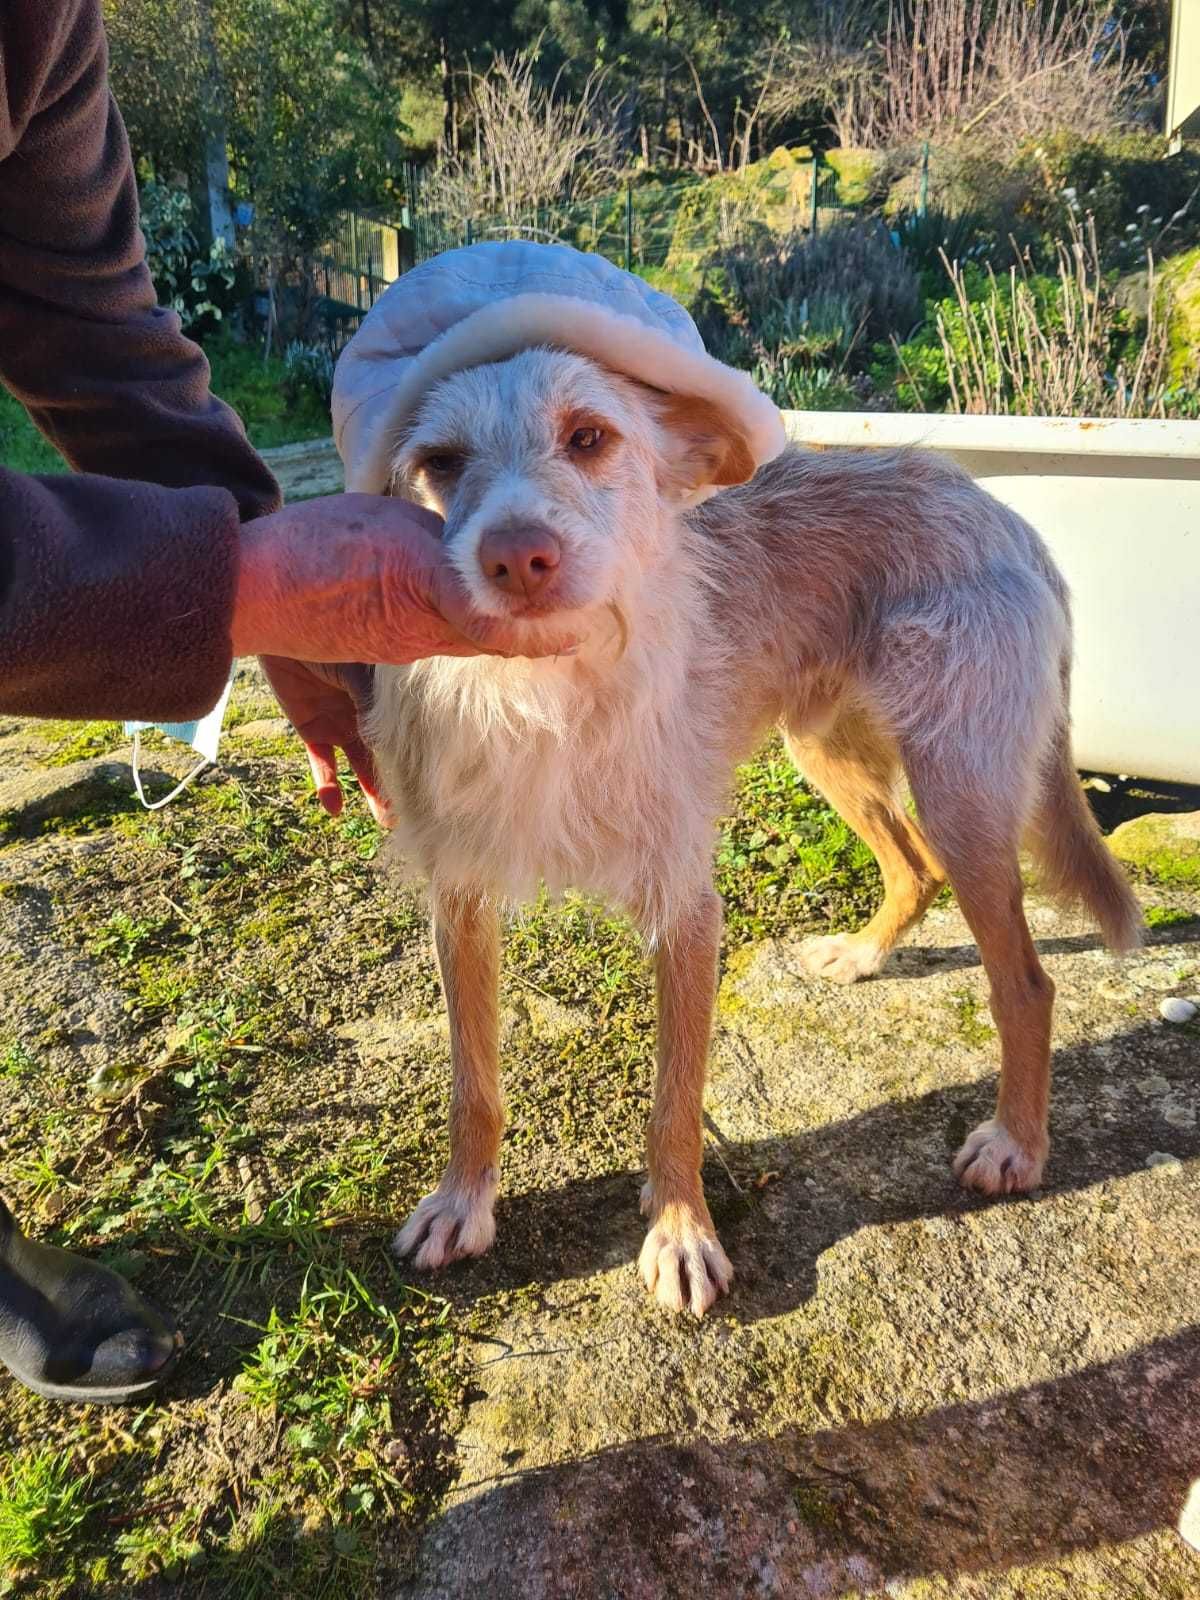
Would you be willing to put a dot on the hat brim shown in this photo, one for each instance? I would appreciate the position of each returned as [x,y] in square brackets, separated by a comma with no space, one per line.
[369,432]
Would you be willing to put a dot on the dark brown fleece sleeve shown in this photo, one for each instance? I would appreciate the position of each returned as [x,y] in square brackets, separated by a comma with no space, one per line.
[123,626]
[144,578]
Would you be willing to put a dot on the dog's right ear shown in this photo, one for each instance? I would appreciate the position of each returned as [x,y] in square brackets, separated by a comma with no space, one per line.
[704,448]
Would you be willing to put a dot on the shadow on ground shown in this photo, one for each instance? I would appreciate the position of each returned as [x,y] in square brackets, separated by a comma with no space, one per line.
[862,1172]
[1024,1479]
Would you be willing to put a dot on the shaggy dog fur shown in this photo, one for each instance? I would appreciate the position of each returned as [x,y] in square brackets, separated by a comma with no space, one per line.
[890,616]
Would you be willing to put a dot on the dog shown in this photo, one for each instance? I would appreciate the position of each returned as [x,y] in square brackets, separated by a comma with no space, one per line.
[887,614]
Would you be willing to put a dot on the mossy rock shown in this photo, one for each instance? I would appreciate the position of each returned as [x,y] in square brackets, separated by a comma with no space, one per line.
[1181,280]
[855,173]
[1164,844]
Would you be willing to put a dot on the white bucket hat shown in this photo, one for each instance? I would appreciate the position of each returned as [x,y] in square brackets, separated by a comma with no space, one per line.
[491,301]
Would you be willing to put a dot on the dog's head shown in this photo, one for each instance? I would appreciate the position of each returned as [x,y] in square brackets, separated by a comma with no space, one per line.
[561,483]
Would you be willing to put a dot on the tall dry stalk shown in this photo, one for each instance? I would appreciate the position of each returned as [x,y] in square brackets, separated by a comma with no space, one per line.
[951,66]
[528,145]
[1016,358]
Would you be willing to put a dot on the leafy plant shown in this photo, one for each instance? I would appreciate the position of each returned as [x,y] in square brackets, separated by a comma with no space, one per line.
[308,369]
[795,386]
[1062,346]
[854,266]
[926,238]
[186,279]
[125,938]
[15,1060]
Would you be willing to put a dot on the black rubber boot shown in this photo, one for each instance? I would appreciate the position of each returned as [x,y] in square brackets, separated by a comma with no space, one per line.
[72,1329]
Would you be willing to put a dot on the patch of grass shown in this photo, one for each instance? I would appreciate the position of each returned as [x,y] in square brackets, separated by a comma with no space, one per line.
[22,447]
[43,1503]
[78,741]
[330,1368]
[1168,917]
[274,410]
[785,859]
[125,938]
[15,1060]
[969,1022]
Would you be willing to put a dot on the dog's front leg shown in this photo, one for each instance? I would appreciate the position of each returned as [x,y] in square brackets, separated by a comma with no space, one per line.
[682,1261]
[456,1219]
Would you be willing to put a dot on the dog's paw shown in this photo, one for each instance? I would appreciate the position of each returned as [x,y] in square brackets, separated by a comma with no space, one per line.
[456,1220]
[841,957]
[682,1262]
[992,1162]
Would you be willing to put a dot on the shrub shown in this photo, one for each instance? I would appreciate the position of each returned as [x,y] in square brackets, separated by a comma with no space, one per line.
[794,386]
[852,273]
[186,279]
[957,236]
[1125,181]
[1039,344]
[308,369]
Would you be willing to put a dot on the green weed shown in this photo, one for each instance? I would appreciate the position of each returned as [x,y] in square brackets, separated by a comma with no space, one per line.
[15,1060]
[1167,917]
[43,1502]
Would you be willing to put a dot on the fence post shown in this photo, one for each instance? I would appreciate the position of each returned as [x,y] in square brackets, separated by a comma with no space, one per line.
[628,227]
[923,199]
[812,222]
[470,231]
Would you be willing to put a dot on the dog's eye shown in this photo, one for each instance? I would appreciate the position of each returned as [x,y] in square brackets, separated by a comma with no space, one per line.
[586,438]
[443,463]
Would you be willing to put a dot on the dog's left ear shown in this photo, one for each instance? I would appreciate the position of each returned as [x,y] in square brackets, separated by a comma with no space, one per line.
[704,447]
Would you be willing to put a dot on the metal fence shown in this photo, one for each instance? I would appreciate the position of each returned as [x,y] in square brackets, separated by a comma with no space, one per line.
[353,268]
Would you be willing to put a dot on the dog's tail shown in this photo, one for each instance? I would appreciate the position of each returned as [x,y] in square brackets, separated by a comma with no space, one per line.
[1074,864]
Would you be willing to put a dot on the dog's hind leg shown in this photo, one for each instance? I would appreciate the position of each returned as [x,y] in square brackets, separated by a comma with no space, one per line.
[858,772]
[682,1262]
[976,834]
[457,1218]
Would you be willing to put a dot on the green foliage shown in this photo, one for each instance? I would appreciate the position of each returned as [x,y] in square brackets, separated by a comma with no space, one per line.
[43,1501]
[785,858]
[187,279]
[328,1368]
[15,1060]
[961,236]
[274,409]
[22,447]
[309,371]
[1126,182]
[794,385]
[852,273]
[1168,917]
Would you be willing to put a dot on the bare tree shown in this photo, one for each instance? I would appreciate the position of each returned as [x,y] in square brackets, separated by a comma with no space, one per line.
[949,66]
[938,69]
[530,145]
[834,64]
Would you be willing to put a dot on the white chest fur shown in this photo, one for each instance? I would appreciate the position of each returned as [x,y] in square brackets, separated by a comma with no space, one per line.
[600,774]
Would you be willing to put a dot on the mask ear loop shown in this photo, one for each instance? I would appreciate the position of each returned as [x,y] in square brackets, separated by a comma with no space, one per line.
[157,805]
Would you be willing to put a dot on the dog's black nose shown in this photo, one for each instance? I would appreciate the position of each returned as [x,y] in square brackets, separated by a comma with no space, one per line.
[519,561]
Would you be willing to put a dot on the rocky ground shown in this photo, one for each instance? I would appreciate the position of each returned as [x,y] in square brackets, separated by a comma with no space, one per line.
[222,1066]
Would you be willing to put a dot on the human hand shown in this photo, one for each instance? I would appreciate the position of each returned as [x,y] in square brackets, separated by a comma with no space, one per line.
[358,577]
[323,703]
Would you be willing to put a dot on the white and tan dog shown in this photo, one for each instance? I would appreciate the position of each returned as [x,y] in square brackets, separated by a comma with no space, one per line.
[892,618]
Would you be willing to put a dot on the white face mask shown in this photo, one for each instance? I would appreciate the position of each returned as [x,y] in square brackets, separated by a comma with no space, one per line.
[204,736]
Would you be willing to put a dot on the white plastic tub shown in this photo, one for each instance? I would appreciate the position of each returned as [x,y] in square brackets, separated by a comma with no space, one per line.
[1118,503]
